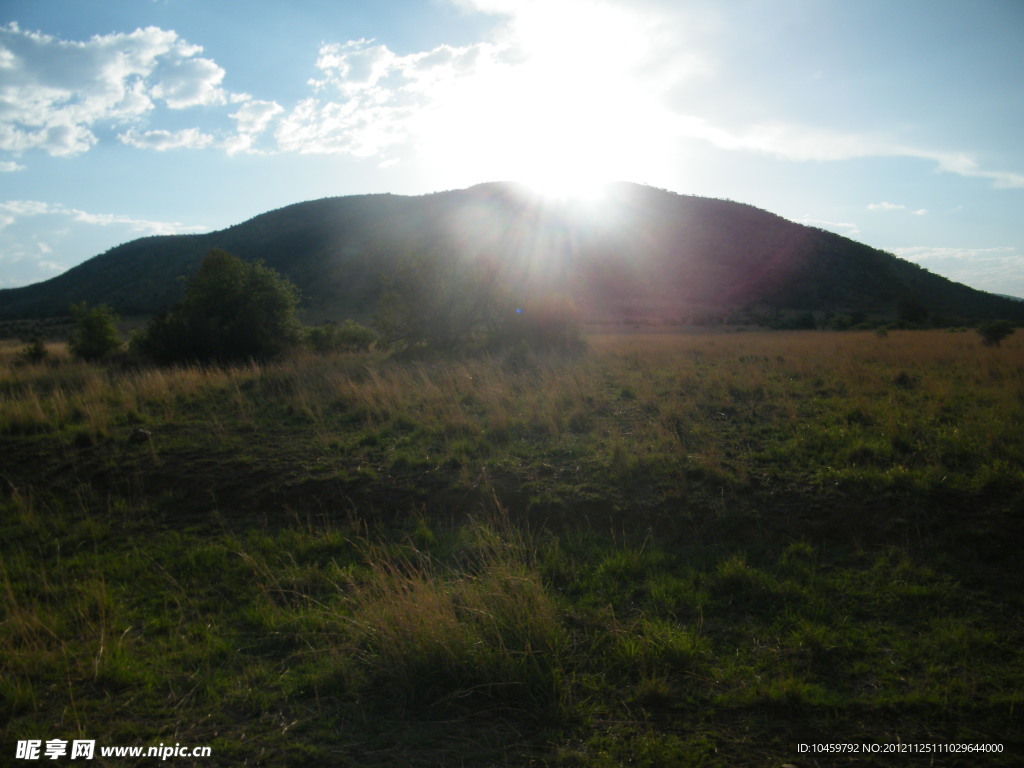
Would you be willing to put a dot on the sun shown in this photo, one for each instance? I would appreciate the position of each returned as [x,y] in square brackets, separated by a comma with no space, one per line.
[555,111]
[568,186]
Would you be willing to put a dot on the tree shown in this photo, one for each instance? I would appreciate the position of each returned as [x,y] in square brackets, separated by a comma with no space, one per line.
[994,331]
[232,311]
[95,335]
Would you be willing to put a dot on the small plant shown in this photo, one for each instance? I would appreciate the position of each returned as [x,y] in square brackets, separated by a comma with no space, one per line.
[994,331]
[95,336]
[33,353]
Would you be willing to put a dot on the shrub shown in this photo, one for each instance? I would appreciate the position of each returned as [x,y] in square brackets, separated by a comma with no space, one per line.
[350,336]
[994,331]
[95,335]
[232,311]
[33,353]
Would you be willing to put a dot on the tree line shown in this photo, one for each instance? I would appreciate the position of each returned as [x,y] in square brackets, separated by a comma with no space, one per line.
[234,311]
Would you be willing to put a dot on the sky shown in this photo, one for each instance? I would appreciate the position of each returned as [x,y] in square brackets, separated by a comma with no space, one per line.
[895,123]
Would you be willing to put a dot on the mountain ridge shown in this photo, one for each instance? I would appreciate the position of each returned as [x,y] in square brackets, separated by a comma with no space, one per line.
[641,254]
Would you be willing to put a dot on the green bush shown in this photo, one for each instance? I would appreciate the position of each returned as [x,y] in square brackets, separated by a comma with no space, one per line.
[232,311]
[994,331]
[350,336]
[33,353]
[95,335]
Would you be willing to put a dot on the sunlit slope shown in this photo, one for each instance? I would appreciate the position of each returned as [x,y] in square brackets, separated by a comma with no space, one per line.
[634,253]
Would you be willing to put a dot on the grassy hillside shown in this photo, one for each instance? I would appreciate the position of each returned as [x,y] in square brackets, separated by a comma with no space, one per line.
[642,254]
[674,550]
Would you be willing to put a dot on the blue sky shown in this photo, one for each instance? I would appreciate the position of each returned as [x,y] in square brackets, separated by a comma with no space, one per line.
[895,123]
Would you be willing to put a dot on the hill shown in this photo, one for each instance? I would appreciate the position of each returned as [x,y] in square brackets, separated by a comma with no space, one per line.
[640,254]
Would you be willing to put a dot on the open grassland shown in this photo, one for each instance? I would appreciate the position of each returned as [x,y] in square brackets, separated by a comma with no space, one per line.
[672,550]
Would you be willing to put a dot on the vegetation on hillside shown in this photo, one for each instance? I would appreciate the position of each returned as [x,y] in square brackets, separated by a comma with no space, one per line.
[648,255]
[694,550]
[447,303]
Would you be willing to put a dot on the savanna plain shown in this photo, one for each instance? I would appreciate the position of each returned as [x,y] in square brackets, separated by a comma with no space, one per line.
[666,550]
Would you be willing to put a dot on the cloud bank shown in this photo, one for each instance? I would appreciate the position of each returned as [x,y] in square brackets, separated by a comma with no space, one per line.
[55,94]
[616,88]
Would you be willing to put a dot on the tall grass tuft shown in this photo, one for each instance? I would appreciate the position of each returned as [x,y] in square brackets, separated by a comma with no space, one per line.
[479,630]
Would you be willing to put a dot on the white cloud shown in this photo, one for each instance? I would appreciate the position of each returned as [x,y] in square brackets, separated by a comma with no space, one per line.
[997,269]
[800,143]
[360,127]
[531,100]
[54,93]
[183,81]
[536,94]
[10,167]
[557,84]
[39,240]
[962,165]
[253,117]
[355,66]
[13,210]
[369,97]
[160,140]
[886,206]
[252,120]
[27,262]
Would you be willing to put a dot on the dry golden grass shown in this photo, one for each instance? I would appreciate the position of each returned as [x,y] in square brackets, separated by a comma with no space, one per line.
[913,403]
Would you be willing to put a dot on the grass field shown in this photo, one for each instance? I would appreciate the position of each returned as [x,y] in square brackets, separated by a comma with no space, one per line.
[672,550]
